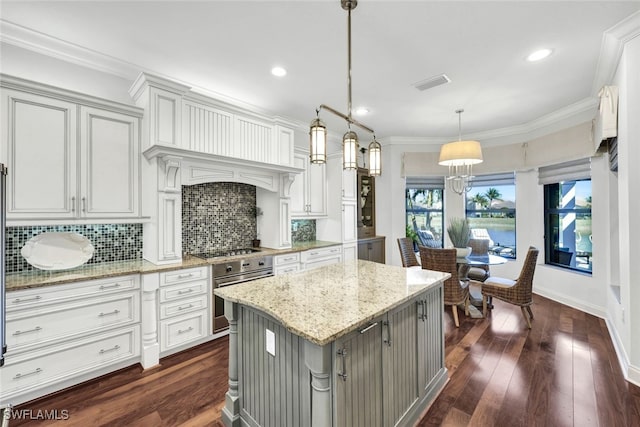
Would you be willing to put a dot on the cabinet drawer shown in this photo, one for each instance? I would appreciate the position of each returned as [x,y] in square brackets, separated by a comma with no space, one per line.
[313,254]
[323,261]
[36,369]
[182,290]
[183,306]
[17,300]
[285,259]
[182,276]
[54,322]
[283,269]
[183,329]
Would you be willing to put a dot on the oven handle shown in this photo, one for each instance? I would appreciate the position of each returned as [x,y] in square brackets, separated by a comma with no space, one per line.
[246,279]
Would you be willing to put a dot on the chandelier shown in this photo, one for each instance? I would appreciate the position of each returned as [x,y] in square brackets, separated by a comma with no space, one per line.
[460,156]
[350,145]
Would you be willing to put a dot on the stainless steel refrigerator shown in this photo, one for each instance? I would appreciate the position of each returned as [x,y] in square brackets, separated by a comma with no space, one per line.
[3,299]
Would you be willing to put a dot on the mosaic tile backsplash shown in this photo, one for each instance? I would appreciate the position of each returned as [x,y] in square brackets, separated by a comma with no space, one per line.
[218,216]
[303,230]
[111,242]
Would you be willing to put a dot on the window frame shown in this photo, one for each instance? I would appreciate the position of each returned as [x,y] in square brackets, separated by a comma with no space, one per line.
[427,185]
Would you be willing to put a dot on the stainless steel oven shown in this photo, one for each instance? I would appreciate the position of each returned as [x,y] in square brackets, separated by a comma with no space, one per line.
[233,272]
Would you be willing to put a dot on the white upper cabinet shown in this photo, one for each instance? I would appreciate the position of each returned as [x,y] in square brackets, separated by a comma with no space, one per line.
[39,148]
[110,157]
[309,189]
[68,160]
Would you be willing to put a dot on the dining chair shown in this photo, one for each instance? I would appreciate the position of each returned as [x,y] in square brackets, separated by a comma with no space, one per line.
[479,247]
[518,291]
[455,291]
[407,254]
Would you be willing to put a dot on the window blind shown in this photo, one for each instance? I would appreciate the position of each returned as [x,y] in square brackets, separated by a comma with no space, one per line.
[568,171]
[507,178]
[435,182]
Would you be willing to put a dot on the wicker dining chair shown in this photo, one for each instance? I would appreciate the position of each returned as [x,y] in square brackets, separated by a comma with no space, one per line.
[518,291]
[481,272]
[455,291]
[407,254]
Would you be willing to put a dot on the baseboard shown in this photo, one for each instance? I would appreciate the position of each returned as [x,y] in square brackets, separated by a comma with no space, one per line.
[573,303]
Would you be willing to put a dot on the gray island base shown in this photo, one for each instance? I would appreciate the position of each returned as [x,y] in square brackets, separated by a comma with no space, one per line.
[354,344]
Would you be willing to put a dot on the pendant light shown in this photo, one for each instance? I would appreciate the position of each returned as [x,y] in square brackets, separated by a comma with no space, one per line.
[318,131]
[460,156]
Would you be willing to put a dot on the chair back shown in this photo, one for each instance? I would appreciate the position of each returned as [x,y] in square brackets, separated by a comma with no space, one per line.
[523,288]
[479,246]
[444,260]
[406,252]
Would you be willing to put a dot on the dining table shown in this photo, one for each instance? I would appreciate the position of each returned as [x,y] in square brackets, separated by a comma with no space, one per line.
[465,263]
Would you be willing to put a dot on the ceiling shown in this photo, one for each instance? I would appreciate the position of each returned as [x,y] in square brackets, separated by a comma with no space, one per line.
[229,48]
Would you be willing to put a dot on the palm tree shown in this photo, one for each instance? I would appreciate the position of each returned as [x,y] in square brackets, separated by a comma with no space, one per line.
[492,194]
[480,199]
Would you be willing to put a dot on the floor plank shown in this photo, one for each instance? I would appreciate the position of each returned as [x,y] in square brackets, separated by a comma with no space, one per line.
[562,372]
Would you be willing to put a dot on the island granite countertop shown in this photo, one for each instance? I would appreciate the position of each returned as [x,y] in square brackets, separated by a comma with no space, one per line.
[39,278]
[326,303]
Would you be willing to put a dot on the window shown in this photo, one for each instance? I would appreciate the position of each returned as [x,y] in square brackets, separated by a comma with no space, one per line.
[424,207]
[567,222]
[491,212]
[567,215]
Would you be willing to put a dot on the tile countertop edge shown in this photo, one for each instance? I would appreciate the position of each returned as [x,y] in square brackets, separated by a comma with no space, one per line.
[324,338]
[42,278]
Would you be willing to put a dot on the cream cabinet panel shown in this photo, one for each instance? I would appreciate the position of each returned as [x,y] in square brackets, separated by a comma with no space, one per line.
[39,145]
[349,223]
[285,141]
[309,189]
[207,129]
[166,119]
[110,160]
[349,184]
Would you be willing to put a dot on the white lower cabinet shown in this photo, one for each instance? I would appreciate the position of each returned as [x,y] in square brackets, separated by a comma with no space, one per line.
[287,263]
[184,318]
[314,258]
[62,335]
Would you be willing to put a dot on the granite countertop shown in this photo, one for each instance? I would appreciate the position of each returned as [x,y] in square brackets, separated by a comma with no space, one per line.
[39,278]
[326,303]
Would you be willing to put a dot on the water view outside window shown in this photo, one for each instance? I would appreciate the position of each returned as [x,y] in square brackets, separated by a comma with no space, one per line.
[568,241]
[491,212]
[425,215]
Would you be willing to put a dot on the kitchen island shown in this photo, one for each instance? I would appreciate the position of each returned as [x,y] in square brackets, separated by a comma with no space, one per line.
[353,344]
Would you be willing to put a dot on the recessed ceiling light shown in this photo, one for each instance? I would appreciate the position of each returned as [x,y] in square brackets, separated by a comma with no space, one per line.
[278,71]
[362,111]
[539,54]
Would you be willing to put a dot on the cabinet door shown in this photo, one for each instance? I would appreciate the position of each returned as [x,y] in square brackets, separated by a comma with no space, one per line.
[430,339]
[349,229]
[317,189]
[376,250]
[349,185]
[399,362]
[109,165]
[363,250]
[358,379]
[299,186]
[39,147]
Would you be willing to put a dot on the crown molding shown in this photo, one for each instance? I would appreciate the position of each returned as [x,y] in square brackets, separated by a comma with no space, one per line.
[613,41]
[574,114]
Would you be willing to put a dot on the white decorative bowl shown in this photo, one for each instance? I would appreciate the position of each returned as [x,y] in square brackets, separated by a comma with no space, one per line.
[57,250]
[463,252]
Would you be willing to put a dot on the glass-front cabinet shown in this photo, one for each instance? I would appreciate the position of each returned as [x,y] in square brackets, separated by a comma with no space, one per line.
[366,204]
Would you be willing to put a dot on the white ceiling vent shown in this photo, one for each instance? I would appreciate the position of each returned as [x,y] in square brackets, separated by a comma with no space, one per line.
[432,82]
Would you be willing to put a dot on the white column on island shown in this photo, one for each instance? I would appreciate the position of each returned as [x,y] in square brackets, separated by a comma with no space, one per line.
[231,410]
[150,354]
[318,360]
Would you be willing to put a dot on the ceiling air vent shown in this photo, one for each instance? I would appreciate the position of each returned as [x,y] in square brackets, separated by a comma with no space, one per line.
[432,82]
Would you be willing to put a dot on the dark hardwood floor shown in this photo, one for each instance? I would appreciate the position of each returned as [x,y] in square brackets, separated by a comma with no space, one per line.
[562,372]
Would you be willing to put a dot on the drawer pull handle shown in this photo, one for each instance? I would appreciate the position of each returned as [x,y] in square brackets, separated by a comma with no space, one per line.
[343,355]
[115,285]
[21,300]
[185,307]
[291,258]
[111,313]
[362,331]
[19,375]
[187,291]
[109,350]
[184,331]
[184,276]
[334,250]
[36,329]
[313,253]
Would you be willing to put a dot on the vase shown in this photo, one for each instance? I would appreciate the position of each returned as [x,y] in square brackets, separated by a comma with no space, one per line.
[463,252]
